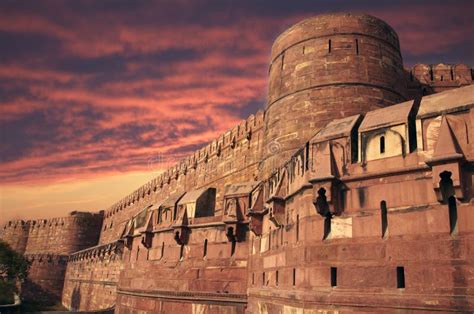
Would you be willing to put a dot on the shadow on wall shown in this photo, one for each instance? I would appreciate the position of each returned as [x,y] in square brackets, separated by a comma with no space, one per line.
[76,299]
[34,293]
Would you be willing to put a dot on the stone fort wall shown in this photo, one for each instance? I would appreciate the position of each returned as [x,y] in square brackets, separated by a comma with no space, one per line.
[47,244]
[233,157]
[350,188]
[91,277]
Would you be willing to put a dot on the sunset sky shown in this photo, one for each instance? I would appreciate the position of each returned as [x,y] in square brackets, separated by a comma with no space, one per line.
[97,97]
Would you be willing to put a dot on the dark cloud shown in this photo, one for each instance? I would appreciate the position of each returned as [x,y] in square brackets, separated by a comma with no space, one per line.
[100,86]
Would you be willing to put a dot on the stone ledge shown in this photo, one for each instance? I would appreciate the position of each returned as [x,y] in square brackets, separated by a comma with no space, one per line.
[189,296]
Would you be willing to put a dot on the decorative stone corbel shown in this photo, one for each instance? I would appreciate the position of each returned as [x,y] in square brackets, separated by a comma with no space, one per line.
[276,210]
[327,195]
[180,228]
[446,164]
[231,219]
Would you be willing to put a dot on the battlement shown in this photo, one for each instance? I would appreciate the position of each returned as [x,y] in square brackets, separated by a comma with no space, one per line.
[426,79]
[352,190]
[47,258]
[441,72]
[228,140]
[61,235]
[91,253]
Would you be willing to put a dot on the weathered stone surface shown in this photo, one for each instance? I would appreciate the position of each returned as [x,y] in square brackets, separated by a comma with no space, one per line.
[334,199]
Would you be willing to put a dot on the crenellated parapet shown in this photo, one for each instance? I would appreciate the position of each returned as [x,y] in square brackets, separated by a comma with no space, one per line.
[352,190]
[215,161]
[52,259]
[228,140]
[62,235]
[426,79]
[99,251]
[15,233]
[91,277]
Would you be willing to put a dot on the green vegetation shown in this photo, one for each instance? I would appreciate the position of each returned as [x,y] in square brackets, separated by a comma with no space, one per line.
[13,269]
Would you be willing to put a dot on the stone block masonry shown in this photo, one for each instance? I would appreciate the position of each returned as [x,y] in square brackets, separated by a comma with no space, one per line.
[352,191]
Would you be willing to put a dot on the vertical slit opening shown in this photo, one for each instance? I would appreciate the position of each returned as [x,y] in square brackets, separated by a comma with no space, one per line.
[431,74]
[297,227]
[281,236]
[263,279]
[181,252]
[383,210]
[253,278]
[327,227]
[452,74]
[329,46]
[276,278]
[400,277]
[270,238]
[232,248]
[333,276]
[162,250]
[453,215]
[204,253]
[382,144]
[294,277]
[357,46]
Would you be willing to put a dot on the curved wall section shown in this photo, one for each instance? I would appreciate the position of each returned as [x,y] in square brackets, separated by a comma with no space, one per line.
[324,68]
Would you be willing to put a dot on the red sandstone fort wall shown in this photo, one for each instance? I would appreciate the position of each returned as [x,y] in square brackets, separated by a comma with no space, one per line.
[45,279]
[91,278]
[207,270]
[426,79]
[233,157]
[373,213]
[64,235]
[47,244]
[15,233]
[325,68]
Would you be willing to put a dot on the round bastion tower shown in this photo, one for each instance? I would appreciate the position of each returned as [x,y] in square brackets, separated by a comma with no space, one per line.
[324,68]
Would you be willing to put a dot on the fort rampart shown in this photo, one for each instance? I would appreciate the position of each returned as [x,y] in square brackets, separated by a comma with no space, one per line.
[351,191]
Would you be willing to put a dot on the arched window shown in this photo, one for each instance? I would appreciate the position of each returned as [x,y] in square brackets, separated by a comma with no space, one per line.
[382,144]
